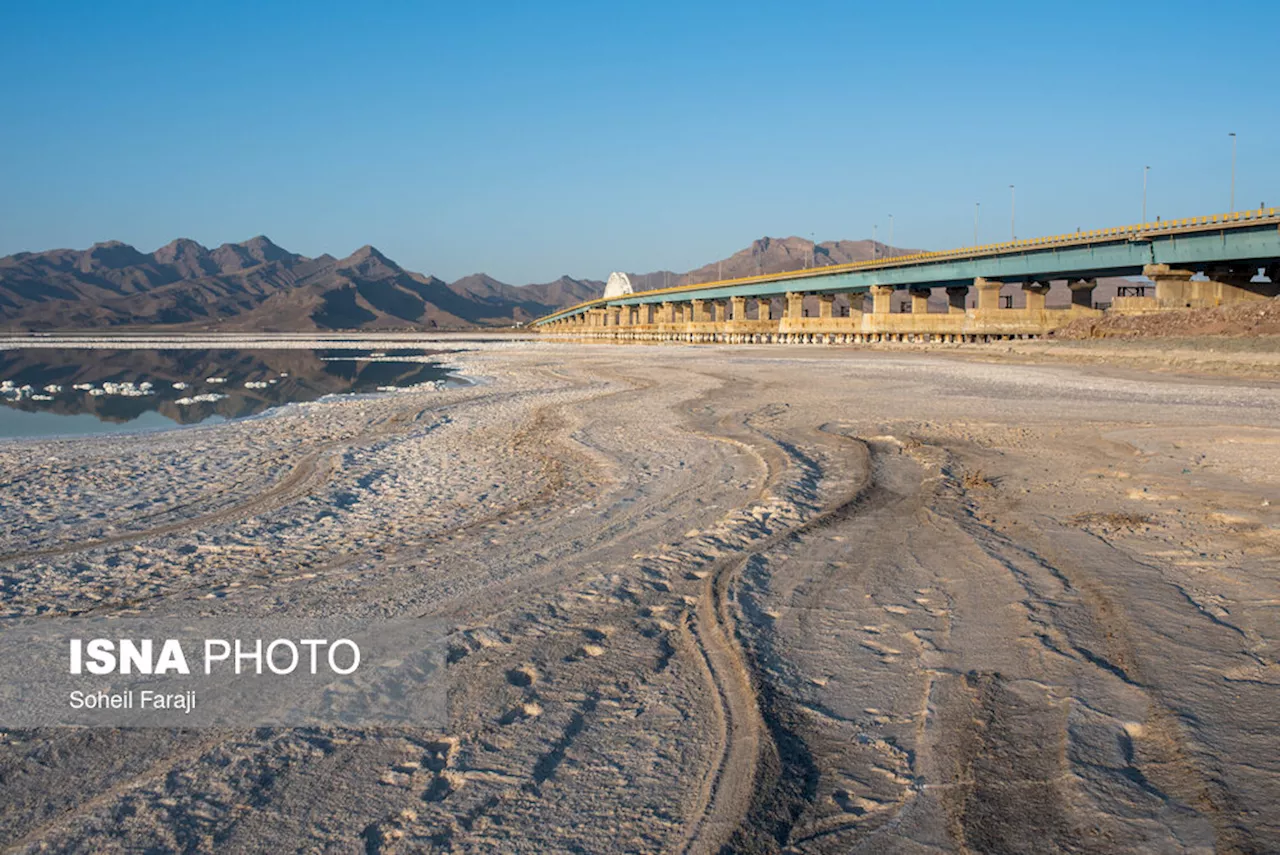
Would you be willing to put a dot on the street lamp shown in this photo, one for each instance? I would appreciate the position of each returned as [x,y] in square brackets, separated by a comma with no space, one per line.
[1013,210]
[891,231]
[1145,170]
[875,242]
[977,208]
[1233,171]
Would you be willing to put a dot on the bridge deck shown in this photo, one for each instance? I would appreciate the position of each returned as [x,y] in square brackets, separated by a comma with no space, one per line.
[1244,237]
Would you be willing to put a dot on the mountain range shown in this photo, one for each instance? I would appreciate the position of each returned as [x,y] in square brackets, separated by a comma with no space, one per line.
[257,285]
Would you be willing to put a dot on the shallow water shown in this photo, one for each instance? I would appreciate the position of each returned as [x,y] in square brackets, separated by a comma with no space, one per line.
[132,390]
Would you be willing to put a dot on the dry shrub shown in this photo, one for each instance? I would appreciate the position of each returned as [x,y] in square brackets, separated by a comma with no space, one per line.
[977,480]
[1113,519]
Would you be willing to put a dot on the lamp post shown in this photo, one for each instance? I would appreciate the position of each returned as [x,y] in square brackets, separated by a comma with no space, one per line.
[1233,171]
[875,242]
[977,208]
[891,231]
[1013,210]
[1145,170]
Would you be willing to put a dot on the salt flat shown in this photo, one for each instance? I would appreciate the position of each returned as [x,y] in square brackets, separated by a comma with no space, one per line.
[774,599]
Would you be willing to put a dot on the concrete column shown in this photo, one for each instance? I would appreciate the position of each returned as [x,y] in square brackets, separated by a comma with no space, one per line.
[668,313]
[988,293]
[1082,292]
[739,308]
[699,308]
[856,299]
[764,308]
[613,316]
[957,296]
[919,301]
[722,310]
[881,299]
[825,304]
[1174,288]
[795,305]
[1035,293]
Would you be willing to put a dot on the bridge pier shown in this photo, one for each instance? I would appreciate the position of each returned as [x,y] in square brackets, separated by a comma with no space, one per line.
[1174,288]
[1035,293]
[988,293]
[1082,292]
[919,300]
[881,299]
[957,298]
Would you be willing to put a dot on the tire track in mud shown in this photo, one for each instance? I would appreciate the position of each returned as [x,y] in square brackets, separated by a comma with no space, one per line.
[764,775]
[720,657]
[1096,634]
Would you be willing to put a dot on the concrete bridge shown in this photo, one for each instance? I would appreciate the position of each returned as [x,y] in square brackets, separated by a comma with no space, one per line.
[1194,262]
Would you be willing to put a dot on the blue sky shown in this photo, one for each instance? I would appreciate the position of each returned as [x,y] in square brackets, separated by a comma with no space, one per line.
[529,140]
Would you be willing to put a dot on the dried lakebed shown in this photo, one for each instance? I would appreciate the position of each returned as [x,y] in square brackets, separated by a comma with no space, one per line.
[700,600]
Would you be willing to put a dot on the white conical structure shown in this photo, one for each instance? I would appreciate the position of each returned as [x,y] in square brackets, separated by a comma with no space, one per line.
[619,284]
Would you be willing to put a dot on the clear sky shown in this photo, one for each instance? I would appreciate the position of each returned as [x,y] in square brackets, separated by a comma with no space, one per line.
[533,139]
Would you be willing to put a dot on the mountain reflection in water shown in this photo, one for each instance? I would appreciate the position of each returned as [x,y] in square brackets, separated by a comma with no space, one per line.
[185,386]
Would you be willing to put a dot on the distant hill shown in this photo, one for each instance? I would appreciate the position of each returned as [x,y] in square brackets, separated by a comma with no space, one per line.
[771,255]
[257,285]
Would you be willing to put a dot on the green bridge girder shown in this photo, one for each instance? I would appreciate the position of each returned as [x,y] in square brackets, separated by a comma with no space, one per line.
[1197,247]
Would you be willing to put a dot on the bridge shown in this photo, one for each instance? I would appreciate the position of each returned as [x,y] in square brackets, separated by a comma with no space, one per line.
[1191,263]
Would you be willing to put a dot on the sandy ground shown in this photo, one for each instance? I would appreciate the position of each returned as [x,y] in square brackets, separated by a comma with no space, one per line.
[702,599]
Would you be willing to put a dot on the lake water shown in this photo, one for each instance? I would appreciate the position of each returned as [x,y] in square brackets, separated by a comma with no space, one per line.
[69,392]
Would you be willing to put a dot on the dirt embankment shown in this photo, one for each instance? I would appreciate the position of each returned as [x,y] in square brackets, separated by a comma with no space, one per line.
[1240,319]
